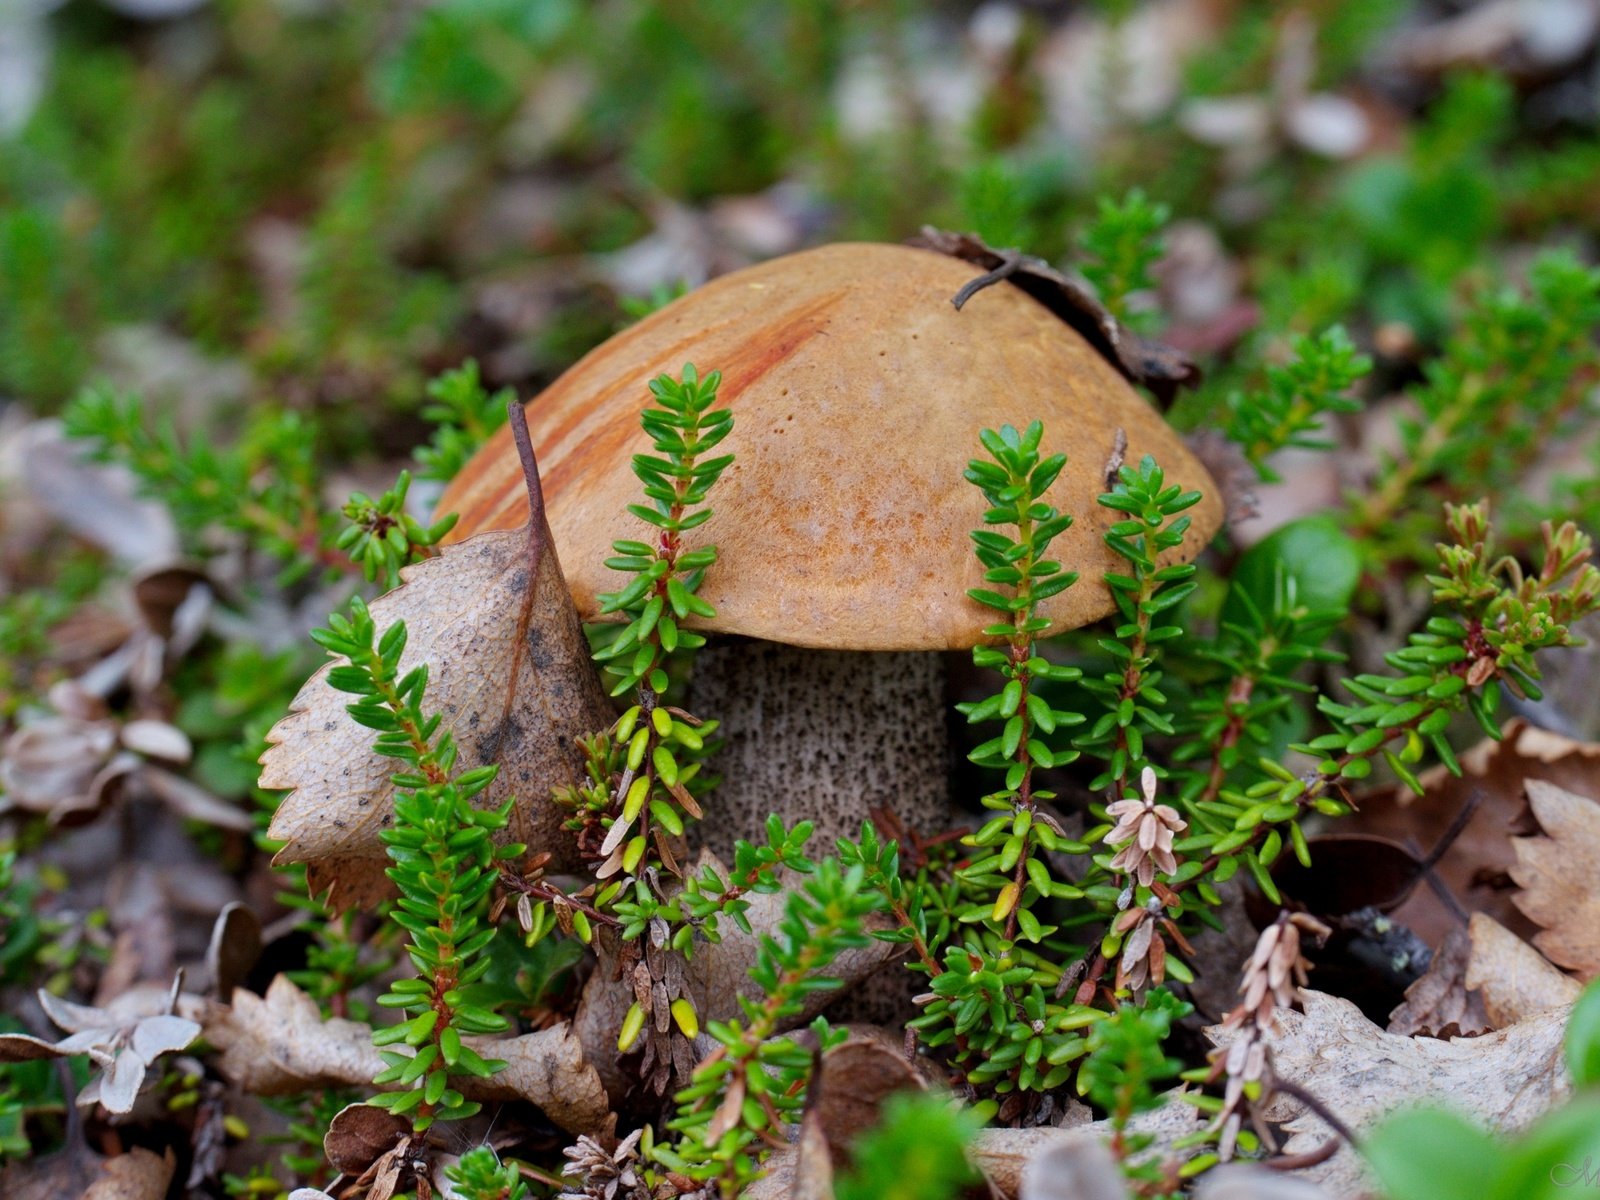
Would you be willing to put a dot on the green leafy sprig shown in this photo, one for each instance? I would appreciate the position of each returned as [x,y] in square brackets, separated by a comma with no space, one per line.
[659,748]
[1256,660]
[464,413]
[1014,484]
[1517,375]
[1135,705]
[444,861]
[744,1094]
[677,480]
[263,487]
[1122,244]
[1298,396]
[382,536]
[1126,1061]
[1493,620]
[916,1151]
[480,1175]
[991,1000]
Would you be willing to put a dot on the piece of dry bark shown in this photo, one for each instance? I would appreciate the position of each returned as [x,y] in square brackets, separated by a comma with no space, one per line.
[1250,1181]
[1439,1003]
[1076,1166]
[509,673]
[1513,978]
[1003,1155]
[1556,873]
[1505,1079]
[280,1043]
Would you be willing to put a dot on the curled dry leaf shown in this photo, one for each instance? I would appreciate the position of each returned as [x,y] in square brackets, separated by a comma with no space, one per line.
[69,768]
[1521,39]
[509,673]
[235,945]
[360,1134]
[855,1079]
[1477,868]
[52,763]
[122,1040]
[1556,873]
[1514,979]
[1504,1080]
[279,1043]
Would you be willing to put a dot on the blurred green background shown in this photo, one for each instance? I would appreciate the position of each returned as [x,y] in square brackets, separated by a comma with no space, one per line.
[319,204]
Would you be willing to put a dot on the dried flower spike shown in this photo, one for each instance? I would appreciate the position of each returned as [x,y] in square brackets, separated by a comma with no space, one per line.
[1148,829]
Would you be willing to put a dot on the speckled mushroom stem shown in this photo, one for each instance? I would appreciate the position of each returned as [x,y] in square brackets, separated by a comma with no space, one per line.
[829,736]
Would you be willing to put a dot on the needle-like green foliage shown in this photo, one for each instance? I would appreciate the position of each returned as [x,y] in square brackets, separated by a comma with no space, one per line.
[444,867]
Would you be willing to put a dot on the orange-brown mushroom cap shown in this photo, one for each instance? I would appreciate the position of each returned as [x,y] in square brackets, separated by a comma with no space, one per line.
[858,392]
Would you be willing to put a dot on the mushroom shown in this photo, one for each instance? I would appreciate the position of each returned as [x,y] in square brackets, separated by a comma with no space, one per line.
[858,392]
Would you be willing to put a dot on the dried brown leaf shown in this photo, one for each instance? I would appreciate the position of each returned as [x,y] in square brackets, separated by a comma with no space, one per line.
[510,674]
[1477,868]
[279,1043]
[136,1175]
[1514,979]
[856,1077]
[1504,1079]
[77,1174]
[97,502]
[52,1177]
[1160,368]
[235,946]
[1556,873]
[359,1134]
[1440,1000]
[813,1168]
[191,801]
